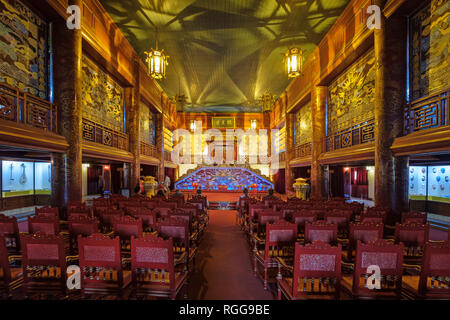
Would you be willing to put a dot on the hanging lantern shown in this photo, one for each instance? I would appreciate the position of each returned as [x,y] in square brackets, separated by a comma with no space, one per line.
[267,100]
[294,62]
[157,62]
[180,101]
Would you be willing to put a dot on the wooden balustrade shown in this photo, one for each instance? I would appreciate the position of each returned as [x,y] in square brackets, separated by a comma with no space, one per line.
[98,133]
[302,150]
[359,134]
[148,150]
[428,112]
[22,107]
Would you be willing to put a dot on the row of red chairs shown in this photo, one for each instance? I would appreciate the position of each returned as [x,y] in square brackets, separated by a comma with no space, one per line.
[155,269]
[314,270]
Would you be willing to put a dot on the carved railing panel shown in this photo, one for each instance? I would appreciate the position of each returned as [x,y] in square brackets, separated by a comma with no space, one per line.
[28,109]
[302,150]
[427,113]
[360,134]
[148,150]
[97,133]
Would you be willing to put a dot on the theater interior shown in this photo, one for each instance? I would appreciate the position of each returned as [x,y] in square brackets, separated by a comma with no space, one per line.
[224,150]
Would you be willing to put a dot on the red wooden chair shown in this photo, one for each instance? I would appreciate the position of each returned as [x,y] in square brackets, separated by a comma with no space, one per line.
[9,229]
[153,268]
[341,218]
[79,212]
[163,210]
[389,258]
[316,273]
[365,232]
[264,217]
[81,225]
[178,230]
[10,278]
[107,218]
[279,242]
[301,217]
[373,217]
[44,264]
[148,217]
[413,236]
[126,227]
[321,230]
[101,202]
[44,225]
[415,216]
[434,279]
[101,266]
[47,212]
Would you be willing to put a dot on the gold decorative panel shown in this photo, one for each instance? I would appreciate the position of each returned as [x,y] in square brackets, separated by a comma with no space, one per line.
[351,96]
[430,38]
[102,97]
[303,125]
[23,48]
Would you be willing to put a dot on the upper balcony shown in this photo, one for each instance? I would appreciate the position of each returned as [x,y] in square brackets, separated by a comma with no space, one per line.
[27,121]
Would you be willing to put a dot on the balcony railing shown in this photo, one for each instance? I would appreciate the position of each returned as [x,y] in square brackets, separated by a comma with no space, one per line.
[97,133]
[28,109]
[302,150]
[428,112]
[148,150]
[358,134]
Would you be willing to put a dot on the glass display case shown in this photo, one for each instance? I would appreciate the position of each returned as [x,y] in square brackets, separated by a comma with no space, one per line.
[17,178]
[25,178]
[42,178]
[439,183]
[429,183]
[418,183]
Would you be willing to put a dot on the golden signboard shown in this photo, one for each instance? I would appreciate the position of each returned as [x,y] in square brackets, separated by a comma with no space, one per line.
[223,122]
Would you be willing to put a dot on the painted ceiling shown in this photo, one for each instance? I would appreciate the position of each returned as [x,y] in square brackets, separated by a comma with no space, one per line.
[224,54]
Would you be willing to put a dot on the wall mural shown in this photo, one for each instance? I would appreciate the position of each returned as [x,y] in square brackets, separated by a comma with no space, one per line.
[303,125]
[147,126]
[430,36]
[23,48]
[351,96]
[102,97]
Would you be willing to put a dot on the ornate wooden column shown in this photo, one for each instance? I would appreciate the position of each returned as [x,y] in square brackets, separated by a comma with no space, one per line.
[160,144]
[289,149]
[133,100]
[390,82]
[318,108]
[67,92]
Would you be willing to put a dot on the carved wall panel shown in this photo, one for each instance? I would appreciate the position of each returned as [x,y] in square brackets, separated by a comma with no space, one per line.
[102,97]
[303,125]
[429,54]
[351,96]
[23,48]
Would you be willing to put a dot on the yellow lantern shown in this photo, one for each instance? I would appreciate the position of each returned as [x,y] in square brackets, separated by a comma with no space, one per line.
[157,62]
[294,62]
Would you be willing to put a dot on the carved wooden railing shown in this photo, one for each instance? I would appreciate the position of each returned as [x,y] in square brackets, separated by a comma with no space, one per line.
[148,150]
[359,134]
[429,112]
[22,107]
[97,133]
[302,150]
